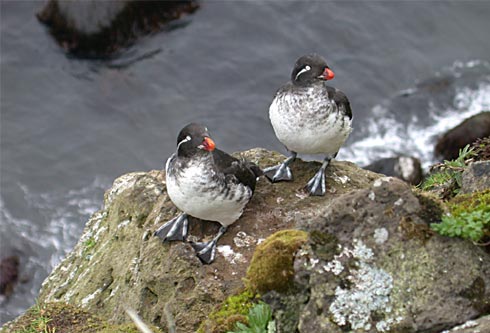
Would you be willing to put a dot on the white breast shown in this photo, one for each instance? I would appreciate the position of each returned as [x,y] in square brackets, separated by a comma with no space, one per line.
[200,192]
[309,125]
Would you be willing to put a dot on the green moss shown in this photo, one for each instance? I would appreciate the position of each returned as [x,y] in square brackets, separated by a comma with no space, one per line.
[469,217]
[234,309]
[60,317]
[271,267]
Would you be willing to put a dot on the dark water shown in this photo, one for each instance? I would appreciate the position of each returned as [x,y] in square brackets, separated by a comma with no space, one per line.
[69,127]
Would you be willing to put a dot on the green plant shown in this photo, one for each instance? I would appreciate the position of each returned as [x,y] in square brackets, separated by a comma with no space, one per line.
[259,320]
[469,217]
[449,171]
[39,323]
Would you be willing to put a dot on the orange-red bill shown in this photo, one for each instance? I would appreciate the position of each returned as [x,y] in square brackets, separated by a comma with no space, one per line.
[328,74]
[208,144]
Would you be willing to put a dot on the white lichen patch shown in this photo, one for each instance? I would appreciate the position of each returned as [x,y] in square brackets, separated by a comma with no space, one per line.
[123,224]
[243,240]
[369,292]
[468,324]
[341,179]
[230,255]
[399,202]
[372,196]
[380,235]
[90,297]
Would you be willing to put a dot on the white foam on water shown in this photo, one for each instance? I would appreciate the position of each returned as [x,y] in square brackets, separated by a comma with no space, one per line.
[386,136]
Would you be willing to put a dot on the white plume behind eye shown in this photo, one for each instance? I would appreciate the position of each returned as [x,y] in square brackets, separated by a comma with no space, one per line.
[305,69]
[186,139]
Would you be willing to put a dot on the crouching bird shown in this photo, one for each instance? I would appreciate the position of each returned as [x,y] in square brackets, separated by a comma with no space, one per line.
[309,117]
[206,183]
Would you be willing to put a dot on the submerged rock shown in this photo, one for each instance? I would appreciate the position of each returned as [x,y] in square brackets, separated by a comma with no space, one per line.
[9,274]
[471,129]
[94,28]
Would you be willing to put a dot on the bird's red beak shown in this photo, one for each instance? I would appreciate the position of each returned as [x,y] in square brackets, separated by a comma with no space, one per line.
[208,144]
[328,74]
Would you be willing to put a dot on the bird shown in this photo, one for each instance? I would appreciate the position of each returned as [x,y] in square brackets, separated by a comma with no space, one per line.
[309,117]
[208,184]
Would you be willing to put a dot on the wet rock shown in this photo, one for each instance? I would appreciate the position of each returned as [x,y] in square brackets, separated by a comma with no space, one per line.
[96,28]
[476,177]
[473,128]
[376,266]
[406,168]
[9,274]
[118,263]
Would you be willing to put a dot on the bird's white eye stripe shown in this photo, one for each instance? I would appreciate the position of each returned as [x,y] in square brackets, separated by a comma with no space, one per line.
[187,138]
[305,69]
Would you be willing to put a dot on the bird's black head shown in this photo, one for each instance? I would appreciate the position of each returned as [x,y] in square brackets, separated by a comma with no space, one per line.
[309,69]
[194,139]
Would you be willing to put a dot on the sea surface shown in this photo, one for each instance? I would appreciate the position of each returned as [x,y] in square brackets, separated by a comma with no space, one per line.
[69,127]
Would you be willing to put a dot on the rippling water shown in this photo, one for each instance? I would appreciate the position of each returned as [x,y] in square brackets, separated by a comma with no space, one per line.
[69,126]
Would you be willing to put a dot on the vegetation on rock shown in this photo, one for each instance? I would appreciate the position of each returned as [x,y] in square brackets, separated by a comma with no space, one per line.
[447,176]
[271,267]
[259,320]
[469,217]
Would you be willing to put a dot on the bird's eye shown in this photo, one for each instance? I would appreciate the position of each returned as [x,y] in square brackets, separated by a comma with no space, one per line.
[304,69]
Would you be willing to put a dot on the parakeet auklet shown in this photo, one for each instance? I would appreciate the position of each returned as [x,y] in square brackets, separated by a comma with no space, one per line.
[309,117]
[208,184]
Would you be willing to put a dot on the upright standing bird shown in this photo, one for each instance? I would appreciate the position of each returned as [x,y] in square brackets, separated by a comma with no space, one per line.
[309,117]
[206,183]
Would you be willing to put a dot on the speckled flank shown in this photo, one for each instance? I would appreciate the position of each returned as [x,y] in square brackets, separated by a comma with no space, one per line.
[305,120]
[219,197]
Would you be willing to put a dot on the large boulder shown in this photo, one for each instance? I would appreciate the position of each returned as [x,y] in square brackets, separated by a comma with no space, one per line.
[119,264]
[374,265]
[471,129]
[94,28]
[362,259]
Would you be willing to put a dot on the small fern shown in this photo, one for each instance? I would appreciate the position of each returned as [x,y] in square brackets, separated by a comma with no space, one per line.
[259,321]
[449,171]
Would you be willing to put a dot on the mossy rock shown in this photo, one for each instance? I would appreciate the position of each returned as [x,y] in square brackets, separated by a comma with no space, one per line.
[234,309]
[58,317]
[271,267]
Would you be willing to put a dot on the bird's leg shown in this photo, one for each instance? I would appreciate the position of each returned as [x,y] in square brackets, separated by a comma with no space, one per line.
[316,185]
[282,171]
[206,251]
[173,230]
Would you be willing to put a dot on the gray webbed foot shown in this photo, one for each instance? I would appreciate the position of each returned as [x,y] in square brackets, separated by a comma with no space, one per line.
[316,185]
[278,173]
[205,251]
[174,230]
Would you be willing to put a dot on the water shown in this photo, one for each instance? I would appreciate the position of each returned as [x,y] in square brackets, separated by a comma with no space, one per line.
[69,126]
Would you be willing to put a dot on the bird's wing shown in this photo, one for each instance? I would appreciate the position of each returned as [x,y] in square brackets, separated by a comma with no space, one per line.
[340,99]
[241,171]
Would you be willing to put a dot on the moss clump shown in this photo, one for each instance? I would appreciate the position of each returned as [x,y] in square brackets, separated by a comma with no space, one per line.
[271,267]
[234,309]
[60,317]
[469,217]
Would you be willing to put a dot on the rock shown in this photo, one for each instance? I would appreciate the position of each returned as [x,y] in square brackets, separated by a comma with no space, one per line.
[93,28]
[480,325]
[118,263]
[406,168]
[363,260]
[9,274]
[374,265]
[476,177]
[473,128]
